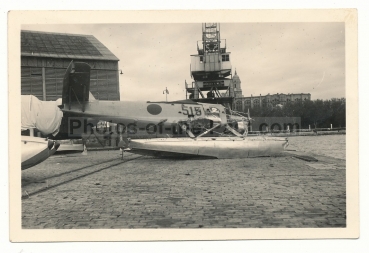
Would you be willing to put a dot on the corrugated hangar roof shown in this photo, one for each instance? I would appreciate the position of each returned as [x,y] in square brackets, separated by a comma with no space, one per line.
[63,45]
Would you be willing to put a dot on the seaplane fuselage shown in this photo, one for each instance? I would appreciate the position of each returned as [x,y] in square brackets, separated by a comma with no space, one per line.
[141,119]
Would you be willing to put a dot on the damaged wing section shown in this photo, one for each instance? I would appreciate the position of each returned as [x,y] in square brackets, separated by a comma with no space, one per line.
[43,115]
[35,150]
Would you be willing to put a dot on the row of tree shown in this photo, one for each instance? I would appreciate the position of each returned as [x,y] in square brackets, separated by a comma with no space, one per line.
[316,113]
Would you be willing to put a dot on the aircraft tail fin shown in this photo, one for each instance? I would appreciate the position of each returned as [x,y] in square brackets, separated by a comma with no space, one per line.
[76,84]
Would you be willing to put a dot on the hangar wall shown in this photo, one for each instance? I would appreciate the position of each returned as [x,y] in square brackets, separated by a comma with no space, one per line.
[46,56]
[34,71]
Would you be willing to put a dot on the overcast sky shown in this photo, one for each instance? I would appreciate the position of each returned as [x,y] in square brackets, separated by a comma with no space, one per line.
[269,57]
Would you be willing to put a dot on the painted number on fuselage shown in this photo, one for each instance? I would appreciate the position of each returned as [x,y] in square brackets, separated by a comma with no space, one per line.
[189,110]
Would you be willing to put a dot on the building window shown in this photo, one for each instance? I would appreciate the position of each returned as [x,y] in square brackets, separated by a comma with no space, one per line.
[238,105]
[225,57]
[201,59]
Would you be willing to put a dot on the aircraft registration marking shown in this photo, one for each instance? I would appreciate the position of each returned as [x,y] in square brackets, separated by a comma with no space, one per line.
[194,109]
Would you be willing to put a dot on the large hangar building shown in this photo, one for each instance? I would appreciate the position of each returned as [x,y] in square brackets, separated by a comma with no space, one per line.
[45,57]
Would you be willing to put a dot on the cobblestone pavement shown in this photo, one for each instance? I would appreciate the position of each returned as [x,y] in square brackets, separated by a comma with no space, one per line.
[99,190]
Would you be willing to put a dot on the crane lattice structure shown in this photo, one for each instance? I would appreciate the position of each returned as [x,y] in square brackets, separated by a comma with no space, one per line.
[211,69]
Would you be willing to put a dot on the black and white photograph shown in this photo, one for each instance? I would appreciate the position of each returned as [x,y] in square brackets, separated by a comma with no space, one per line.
[165,130]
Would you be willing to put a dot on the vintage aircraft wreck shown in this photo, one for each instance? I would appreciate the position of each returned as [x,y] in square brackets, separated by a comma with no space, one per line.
[178,128]
[197,127]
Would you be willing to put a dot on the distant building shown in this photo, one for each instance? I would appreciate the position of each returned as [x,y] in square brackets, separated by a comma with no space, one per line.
[45,57]
[236,81]
[242,103]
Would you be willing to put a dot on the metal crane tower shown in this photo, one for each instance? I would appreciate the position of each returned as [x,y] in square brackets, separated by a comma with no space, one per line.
[211,69]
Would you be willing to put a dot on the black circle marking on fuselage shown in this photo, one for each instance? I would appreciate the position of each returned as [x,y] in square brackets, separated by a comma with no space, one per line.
[154,109]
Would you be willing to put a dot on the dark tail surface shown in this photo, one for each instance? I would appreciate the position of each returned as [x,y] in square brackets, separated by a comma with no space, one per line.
[76,84]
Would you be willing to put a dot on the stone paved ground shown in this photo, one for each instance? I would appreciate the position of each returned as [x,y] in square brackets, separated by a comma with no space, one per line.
[167,193]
